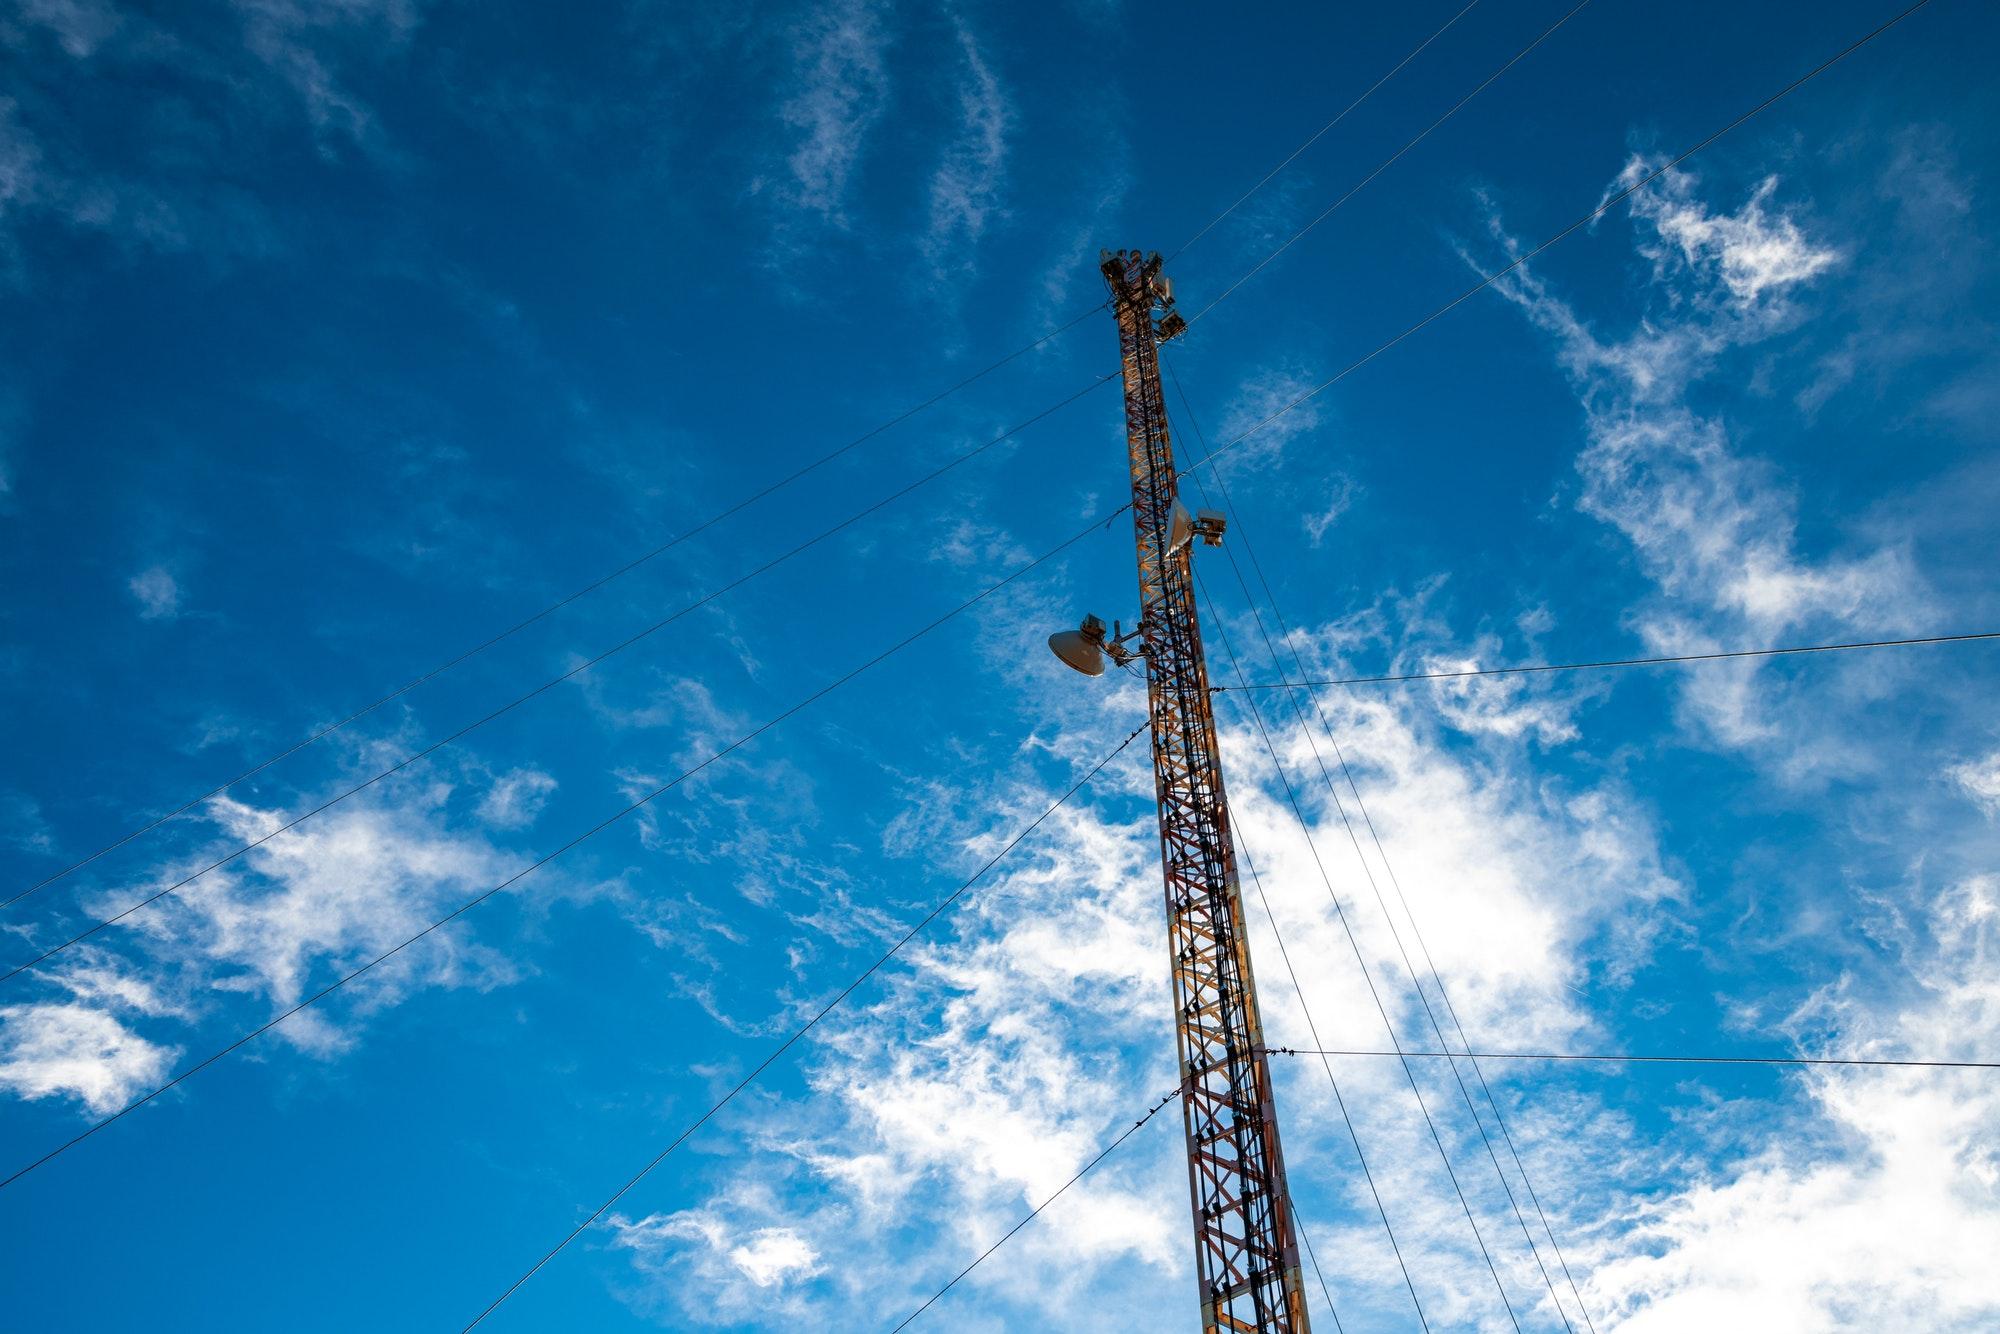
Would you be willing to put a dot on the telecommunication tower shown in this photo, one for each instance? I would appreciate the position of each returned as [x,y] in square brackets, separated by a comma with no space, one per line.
[1246,1247]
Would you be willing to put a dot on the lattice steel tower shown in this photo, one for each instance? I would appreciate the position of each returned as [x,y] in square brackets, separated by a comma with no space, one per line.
[1246,1248]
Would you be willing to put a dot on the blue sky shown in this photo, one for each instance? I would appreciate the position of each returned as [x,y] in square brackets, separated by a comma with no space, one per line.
[338,338]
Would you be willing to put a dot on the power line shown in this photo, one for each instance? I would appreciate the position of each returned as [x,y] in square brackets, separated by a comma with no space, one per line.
[1386,163]
[589,588]
[1035,1212]
[1093,525]
[1395,933]
[1615,662]
[1603,207]
[1630,1058]
[1293,156]
[545,859]
[1354,943]
[1339,1101]
[1609,202]
[1312,1255]
[601,582]
[543,688]
[1088,1166]
[729,512]
[800,1032]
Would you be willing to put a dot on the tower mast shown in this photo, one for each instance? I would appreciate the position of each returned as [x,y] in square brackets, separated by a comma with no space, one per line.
[1246,1248]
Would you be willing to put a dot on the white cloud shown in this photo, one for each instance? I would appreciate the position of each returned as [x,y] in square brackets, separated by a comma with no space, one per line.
[729,1258]
[1256,400]
[965,189]
[1339,499]
[774,1254]
[969,543]
[841,84]
[1980,780]
[1751,252]
[79,26]
[980,1077]
[303,44]
[516,798]
[22,825]
[1714,530]
[158,594]
[768,1257]
[74,1050]
[1878,1205]
[1848,1199]
[1718,530]
[1033,1025]
[272,927]
[329,895]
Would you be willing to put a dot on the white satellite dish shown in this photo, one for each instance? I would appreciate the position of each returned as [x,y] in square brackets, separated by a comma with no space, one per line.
[1079,651]
[1180,528]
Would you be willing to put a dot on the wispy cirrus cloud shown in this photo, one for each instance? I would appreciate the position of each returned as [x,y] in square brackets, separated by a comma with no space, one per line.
[1339,499]
[253,938]
[157,592]
[1776,1209]
[516,798]
[303,44]
[841,84]
[1714,529]
[80,27]
[745,1267]
[1979,779]
[1267,403]
[1875,1201]
[242,77]
[965,190]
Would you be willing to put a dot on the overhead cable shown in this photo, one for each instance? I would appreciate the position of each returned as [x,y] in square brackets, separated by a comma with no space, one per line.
[1395,933]
[770,489]
[546,686]
[1604,206]
[546,858]
[801,1031]
[1298,1226]
[1320,133]
[1612,662]
[1354,943]
[556,606]
[1384,165]
[1339,1101]
[1035,1212]
[1625,1058]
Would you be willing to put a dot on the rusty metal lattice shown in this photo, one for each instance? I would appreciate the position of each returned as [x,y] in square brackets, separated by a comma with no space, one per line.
[1246,1248]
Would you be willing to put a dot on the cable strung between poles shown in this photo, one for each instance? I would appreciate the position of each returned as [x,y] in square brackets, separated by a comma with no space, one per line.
[1101,520]
[800,1032]
[1318,134]
[1438,313]
[545,859]
[1340,1102]
[1614,662]
[1354,943]
[703,526]
[1628,1057]
[1385,164]
[1605,206]
[1324,1291]
[1381,902]
[553,607]
[544,687]
[1035,1212]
